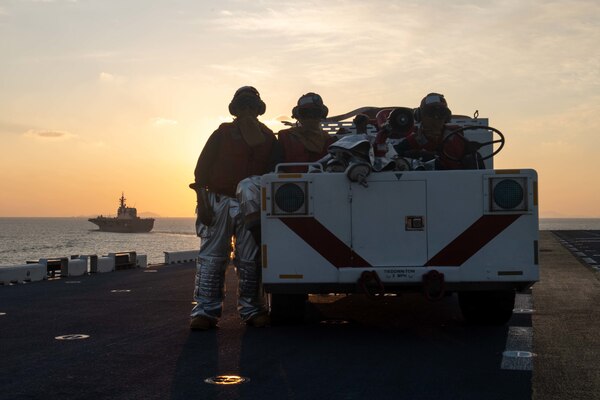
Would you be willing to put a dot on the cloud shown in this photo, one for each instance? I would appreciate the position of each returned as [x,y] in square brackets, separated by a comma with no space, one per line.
[159,121]
[223,118]
[53,1]
[12,128]
[336,43]
[108,78]
[559,148]
[287,20]
[48,135]
[100,55]
[253,67]
[97,144]
[536,42]
[276,124]
[572,124]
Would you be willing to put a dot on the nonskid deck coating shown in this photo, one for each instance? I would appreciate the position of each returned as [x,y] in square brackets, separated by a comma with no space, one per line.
[139,344]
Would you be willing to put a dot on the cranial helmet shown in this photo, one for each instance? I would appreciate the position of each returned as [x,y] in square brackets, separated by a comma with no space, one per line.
[360,122]
[244,97]
[433,105]
[361,119]
[310,105]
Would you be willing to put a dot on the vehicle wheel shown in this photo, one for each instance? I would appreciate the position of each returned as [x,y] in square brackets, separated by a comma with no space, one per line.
[487,307]
[287,308]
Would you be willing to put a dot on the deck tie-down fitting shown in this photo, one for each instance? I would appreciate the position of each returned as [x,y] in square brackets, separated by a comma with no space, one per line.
[371,284]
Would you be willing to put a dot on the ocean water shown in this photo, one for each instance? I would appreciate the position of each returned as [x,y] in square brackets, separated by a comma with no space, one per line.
[569,224]
[23,239]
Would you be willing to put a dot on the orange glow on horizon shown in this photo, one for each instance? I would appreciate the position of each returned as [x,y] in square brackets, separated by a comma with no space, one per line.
[91,109]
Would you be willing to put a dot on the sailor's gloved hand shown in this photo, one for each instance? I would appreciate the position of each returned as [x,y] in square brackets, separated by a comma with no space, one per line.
[205,212]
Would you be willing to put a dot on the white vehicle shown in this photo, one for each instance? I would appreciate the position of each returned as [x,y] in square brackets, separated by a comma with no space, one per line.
[473,232]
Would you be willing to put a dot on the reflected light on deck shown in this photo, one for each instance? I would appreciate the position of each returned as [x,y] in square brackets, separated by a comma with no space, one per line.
[226,380]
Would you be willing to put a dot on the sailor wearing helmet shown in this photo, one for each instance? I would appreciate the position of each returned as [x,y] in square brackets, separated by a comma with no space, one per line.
[236,150]
[306,142]
[428,140]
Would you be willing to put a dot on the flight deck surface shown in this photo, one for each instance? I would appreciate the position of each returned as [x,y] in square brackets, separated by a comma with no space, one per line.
[136,342]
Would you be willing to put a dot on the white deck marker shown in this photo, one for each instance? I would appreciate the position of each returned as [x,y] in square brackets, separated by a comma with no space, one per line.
[519,341]
[518,355]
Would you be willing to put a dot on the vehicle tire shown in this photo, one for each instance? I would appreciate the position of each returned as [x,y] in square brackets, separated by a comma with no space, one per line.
[287,308]
[487,307]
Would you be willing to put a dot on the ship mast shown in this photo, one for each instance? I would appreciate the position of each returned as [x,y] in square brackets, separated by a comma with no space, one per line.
[123,208]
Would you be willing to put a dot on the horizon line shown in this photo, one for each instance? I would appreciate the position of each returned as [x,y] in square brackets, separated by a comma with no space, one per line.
[193,216]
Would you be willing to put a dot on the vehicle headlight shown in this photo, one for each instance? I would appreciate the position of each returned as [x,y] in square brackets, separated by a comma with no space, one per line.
[290,198]
[508,194]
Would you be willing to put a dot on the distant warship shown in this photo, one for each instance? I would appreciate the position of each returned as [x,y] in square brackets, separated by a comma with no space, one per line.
[126,220]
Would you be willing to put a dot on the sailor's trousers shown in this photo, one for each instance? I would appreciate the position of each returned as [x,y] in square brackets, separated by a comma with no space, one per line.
[213,258]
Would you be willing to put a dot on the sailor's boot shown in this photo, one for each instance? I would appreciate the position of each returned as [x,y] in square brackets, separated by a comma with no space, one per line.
[250,303]
[208,294]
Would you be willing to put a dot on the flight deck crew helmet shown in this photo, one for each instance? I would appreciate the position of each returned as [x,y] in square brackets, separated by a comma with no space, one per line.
[246,96]
[433,105]
[361,119]
[310,105]
[360,122]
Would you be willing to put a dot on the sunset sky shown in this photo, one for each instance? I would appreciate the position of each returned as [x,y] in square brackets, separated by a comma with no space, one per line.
[103,96]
